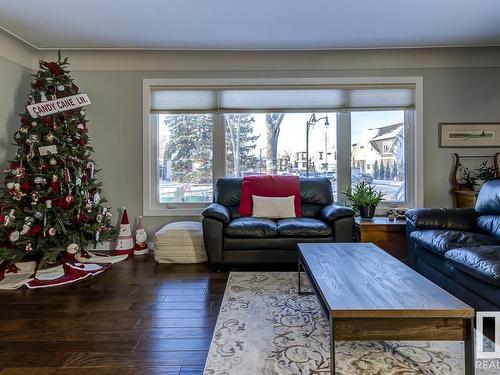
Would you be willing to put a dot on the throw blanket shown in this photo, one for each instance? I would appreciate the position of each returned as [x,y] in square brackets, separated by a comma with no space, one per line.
[269,186]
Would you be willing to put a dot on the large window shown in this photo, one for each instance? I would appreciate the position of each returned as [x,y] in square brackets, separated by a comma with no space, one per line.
[198,133]
[185,167]
[379,152]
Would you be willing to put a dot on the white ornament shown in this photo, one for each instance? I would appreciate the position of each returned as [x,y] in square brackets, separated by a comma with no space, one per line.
[97,198]
[14,236]
[48,203]
[34,123]
[10,185]
[60,87]
[72,248]
[17,186]
[25,229]
[52,161]
[23,130]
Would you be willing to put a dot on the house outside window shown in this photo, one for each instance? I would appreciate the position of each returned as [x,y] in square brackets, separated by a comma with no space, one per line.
[194,136]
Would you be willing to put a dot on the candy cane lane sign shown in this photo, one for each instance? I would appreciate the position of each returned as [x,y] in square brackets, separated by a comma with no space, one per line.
[58,105]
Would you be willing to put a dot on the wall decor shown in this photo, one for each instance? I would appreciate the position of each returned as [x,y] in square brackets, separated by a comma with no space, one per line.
[481,134]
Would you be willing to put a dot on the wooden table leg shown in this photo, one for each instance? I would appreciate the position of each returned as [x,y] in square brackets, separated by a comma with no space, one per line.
[470,364]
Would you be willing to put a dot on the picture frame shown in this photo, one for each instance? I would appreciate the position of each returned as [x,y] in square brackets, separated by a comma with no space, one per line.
[469,134]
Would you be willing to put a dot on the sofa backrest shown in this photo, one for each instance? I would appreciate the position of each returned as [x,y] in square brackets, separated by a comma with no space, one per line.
[315,193]
[488,208]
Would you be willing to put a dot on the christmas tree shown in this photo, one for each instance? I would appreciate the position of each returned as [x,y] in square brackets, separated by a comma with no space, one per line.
[51,201]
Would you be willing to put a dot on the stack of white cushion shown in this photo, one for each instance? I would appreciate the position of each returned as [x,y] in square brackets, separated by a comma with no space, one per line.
[180,242]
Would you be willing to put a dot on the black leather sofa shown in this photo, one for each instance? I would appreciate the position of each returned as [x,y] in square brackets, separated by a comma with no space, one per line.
[232,239]
[459,249]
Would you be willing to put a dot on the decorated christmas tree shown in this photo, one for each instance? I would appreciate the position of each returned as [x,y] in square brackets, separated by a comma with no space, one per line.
[51,201]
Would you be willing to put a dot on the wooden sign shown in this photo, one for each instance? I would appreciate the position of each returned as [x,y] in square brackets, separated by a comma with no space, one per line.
[58,105]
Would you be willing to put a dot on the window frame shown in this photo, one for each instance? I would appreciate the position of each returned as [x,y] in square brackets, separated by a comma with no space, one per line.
[413,137]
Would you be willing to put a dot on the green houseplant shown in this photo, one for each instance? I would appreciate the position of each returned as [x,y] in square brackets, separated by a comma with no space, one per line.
[477,177]
[364,199]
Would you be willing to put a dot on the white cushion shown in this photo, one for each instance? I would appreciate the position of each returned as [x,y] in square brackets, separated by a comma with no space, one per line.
[273,207]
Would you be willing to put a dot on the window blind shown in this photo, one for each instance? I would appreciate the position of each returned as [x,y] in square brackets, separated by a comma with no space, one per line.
[342,99]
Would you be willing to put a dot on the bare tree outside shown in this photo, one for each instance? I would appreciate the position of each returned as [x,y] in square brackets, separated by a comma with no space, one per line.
[273,123]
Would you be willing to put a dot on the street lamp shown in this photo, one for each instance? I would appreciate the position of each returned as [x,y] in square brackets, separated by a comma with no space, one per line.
[309,127]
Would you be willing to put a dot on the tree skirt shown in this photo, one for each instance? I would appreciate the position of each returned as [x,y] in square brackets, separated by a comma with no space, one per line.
[264,327]
[71,269]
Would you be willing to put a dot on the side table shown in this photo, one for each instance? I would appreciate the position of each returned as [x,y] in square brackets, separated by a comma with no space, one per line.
[388,235]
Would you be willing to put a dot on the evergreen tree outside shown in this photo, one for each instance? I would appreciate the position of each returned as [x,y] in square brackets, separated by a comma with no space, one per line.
[382,171]
[240,142]
[376,170]
[388,172]
[394,173]
[189,149]
[51,201]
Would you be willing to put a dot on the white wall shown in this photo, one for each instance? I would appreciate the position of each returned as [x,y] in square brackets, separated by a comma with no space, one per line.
[459,85]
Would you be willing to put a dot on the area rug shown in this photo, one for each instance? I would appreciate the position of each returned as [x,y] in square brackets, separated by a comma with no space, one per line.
[265,327]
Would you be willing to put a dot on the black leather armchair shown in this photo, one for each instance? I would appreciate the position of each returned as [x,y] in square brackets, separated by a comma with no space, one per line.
[232,239]
[459,249]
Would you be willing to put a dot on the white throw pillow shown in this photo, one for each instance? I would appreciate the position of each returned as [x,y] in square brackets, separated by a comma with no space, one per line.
[273,207]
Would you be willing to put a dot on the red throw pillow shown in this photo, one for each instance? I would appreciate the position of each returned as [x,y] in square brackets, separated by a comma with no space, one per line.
[269,186]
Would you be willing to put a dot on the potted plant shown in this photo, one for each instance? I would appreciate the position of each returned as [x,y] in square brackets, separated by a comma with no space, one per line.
[364,199]
[477,177]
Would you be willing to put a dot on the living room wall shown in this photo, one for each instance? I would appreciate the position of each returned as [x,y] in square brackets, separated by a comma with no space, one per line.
[14,83]
[459,85]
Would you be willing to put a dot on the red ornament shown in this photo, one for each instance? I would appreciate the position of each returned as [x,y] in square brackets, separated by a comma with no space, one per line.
[69,199]
[25,187]
[36,229]
[2,219]
[85,179]
[54,68]
[54,185]
[25,121]
[38,84]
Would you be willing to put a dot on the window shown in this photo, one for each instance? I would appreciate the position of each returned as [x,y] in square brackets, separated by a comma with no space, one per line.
[197,132]
[185,158]
[385,132]
[274,143]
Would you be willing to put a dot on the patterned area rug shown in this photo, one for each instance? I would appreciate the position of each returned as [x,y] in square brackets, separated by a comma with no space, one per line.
[264,327]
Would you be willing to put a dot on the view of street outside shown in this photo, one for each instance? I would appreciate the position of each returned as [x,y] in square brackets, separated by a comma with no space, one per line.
[378,152]
[275,143]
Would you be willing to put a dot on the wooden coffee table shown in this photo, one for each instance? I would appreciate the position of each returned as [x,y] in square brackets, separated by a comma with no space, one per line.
[369,295]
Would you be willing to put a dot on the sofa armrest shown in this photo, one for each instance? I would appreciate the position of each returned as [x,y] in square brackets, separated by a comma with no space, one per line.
[218,212]
[443,218]
[333,212]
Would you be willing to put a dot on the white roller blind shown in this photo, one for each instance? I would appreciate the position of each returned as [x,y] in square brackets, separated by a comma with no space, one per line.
[281,99]
[344,99]
[183,100]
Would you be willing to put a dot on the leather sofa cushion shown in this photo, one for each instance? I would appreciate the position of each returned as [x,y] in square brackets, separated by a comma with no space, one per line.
[482,262]
[489,224]
[255,227]
[228,191]
[303,227]
[440,241]
[488,200]
[316,190]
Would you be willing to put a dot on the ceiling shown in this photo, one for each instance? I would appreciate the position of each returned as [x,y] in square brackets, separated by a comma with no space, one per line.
[251,24]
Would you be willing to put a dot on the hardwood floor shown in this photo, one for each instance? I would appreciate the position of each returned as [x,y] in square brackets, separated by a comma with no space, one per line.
[137,318]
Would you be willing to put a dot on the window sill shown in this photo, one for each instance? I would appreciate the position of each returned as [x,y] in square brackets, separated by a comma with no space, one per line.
[177,212]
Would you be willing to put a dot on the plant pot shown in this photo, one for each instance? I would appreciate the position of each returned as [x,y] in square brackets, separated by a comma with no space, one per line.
[367,212]
[478,184]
